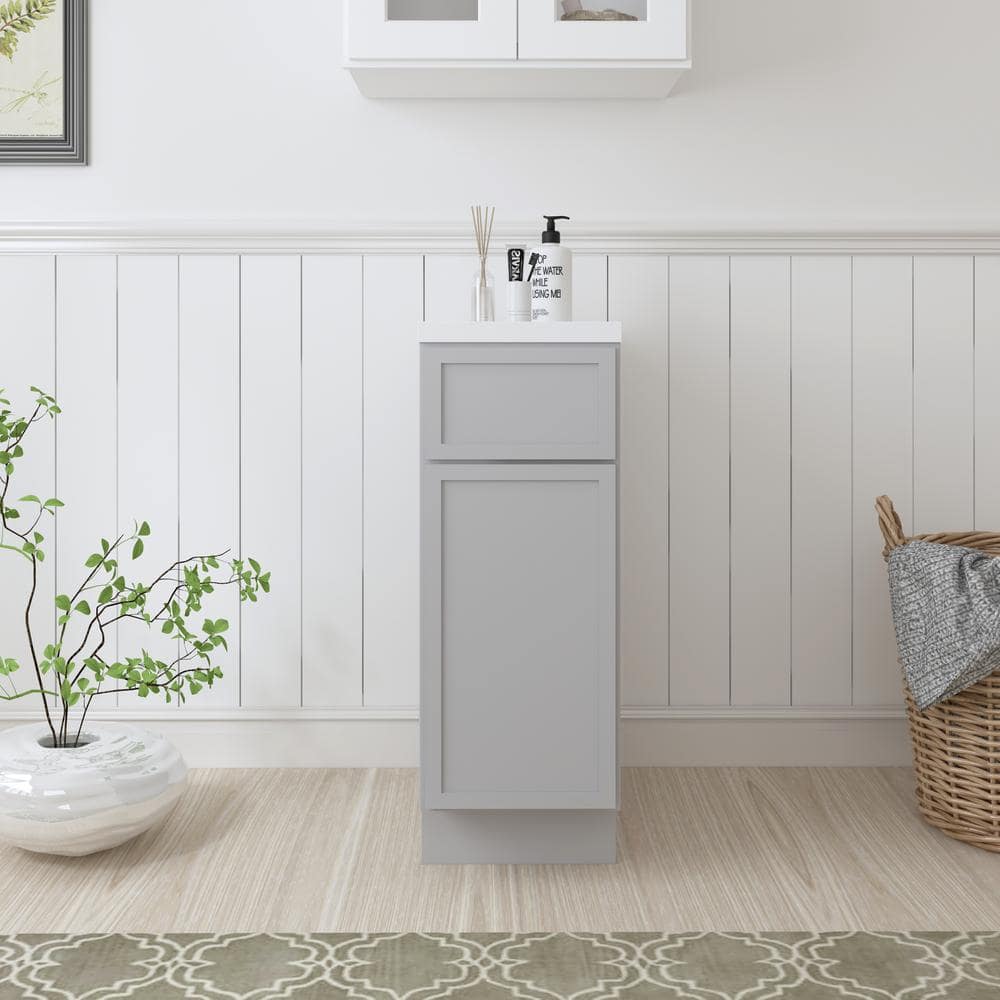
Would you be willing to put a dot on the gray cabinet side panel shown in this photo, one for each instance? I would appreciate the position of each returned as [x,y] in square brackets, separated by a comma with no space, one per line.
[519,640]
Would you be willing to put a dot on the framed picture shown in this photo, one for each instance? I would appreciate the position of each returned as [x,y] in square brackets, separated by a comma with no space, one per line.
[43,79]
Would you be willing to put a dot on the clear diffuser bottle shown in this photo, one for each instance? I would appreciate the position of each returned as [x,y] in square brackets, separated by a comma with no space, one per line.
[483,296]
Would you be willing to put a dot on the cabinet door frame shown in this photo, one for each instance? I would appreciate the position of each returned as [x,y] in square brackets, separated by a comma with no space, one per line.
[605,794]
[370,35]
[663,36]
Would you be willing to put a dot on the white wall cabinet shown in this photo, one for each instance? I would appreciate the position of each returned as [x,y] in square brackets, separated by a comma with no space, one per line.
[660,33]
[514,49]
[432,29]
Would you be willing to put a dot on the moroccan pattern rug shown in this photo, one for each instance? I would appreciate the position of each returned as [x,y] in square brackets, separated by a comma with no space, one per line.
[701,966]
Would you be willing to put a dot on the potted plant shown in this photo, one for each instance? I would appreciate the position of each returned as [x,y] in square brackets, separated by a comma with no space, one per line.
[68,786]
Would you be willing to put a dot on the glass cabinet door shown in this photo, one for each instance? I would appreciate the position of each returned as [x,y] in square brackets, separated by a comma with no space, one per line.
[558,29]
[432,29]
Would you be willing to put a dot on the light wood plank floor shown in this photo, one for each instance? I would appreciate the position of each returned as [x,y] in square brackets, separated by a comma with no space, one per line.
[700,849]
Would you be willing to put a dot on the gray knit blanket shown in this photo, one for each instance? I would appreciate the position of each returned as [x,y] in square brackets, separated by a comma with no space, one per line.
[946,610]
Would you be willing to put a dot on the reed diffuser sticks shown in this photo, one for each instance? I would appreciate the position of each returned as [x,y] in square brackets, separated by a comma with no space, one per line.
[482,224]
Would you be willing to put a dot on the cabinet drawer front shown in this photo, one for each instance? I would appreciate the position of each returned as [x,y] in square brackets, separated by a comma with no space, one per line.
[528,401]
[518,638]
[661,33]
[431,29]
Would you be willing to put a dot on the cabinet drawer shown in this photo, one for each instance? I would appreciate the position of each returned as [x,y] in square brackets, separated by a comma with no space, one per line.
[522,401]
[518,640]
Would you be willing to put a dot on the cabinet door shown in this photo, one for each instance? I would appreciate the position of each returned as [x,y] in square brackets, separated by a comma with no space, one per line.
[518,639]
[660,31]
[431,29]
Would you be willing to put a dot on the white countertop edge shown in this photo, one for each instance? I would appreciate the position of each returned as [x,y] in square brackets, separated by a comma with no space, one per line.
[574,332]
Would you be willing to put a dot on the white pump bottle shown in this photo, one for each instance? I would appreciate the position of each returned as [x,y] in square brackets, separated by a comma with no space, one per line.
[552,281]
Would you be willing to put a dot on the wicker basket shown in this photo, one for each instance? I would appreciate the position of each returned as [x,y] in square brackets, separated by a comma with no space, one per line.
[956,744]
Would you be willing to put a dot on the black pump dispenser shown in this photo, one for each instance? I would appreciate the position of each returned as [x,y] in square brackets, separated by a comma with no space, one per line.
[551,234]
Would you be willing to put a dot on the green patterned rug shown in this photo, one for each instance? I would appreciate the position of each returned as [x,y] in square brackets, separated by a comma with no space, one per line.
[699,966]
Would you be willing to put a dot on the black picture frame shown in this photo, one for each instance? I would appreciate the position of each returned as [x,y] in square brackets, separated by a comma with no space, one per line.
[71,146]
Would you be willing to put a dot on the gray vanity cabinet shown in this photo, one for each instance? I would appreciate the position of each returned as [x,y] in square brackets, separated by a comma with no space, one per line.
[518,601]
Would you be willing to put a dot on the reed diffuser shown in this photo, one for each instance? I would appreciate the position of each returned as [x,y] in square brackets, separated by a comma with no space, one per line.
[483,298]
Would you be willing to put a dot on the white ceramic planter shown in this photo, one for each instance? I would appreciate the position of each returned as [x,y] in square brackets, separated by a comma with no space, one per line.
[78,801]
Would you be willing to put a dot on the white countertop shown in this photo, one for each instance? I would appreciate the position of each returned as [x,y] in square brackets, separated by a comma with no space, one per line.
[521,333]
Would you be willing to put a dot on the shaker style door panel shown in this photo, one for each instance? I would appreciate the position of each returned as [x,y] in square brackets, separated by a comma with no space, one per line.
[432,29]
[519,647]
[522,401]
[660,31]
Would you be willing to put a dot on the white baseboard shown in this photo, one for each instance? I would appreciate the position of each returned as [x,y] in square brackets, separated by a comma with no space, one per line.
[866,741]
[649,737]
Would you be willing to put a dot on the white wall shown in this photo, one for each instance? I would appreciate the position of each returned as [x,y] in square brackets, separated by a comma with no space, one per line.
[798,113]
[271,400]
[767,398]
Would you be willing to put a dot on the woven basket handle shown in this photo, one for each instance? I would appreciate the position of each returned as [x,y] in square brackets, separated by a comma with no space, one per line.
[889,524]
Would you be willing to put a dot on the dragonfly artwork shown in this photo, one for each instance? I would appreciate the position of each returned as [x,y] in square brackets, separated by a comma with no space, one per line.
[41,80]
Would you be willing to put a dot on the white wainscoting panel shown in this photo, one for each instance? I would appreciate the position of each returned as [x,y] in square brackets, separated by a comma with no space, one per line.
[637,295]
[271,476]
[943,400]
[699,480]
[27,291]
[209,441]
[393,304]
[987,362]
[590,286]
[761,435]
[266,399]
[332,457]
[883,459]
[821,480]
[86,388]
[148,450]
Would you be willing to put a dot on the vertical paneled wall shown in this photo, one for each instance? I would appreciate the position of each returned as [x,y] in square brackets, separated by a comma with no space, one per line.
[267,404]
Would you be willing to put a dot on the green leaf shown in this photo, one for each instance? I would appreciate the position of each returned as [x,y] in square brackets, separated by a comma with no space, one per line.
[94,560]
[144,529]
[106,594]
[62,602]
[54,502]
[30,498]
[137,548]
[83,607]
